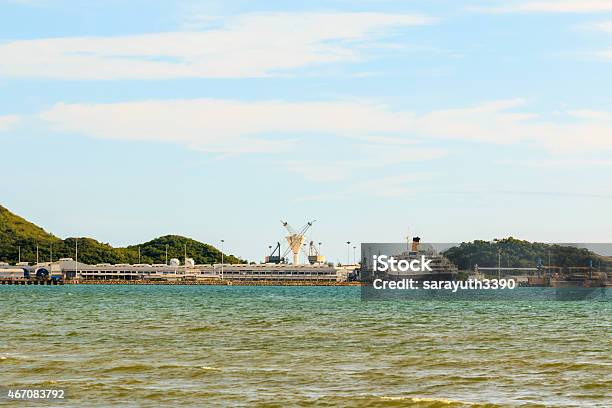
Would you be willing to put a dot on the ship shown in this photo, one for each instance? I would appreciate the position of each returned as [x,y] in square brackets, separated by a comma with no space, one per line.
[442,269]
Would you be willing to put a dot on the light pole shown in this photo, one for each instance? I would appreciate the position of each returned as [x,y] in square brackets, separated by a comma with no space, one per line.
[76,258]
[222,241]
[549,261]
[354,256]
[348,252]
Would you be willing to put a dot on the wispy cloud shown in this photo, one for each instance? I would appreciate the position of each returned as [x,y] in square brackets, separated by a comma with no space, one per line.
[606,54]
[544,193]
[229,126]
[402,185]
[250,45]
[558,162]
[410,186]
[548,6]
[8,121]
[24,2]
[369,156]
[225,126]
[602,26]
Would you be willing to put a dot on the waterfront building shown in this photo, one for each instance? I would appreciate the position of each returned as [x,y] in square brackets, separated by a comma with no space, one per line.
[72,270]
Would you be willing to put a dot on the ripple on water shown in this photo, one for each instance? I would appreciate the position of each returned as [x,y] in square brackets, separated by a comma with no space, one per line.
[272,346]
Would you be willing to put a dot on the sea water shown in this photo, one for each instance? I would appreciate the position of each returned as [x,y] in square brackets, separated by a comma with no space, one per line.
[129,345]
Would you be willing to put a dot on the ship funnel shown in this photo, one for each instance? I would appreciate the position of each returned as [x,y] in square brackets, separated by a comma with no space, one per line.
[415,244]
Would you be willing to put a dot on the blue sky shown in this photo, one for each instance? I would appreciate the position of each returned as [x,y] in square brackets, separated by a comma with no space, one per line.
[454,120]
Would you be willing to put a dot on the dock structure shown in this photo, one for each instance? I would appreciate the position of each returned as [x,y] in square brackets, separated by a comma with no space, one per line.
[25,274]
[71,271]
[552,275]
[4,281]
[237,272]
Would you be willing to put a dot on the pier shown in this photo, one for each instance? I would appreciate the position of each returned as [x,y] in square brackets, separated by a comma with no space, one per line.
[49,282]
[212,282]
[67,270]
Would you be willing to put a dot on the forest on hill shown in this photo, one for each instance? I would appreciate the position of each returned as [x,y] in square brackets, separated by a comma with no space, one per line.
[17,235]
[516,253]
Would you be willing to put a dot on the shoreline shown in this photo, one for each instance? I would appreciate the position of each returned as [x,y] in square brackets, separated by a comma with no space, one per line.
[213,283]
[14,282]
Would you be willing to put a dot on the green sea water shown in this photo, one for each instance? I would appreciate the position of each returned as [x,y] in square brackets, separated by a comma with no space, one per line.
[299,346]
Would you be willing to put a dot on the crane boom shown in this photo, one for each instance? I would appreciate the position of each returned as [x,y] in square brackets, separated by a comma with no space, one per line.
[296,239]
[288,227]
[306,227]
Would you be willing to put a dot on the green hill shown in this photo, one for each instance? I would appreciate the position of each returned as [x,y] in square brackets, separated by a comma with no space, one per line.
[16,232]
[514,253]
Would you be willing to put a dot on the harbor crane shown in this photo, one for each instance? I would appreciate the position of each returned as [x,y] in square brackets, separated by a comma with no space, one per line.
[275,256]
[314,254]
[295,239]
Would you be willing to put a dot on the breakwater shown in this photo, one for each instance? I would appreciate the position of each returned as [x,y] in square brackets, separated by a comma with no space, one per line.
[30,282]
[214,282]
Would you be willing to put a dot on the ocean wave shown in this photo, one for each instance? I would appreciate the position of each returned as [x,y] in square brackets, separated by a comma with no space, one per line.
[207,368]
[129,368]
[12,356]
[201,329]
[433,402]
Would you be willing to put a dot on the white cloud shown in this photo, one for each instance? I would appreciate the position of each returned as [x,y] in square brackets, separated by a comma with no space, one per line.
[549,6]
[591,114]
[604,54]
[8,121]
[603,26]
[368,157]
[251,45]
[401,185]
[560,162]
[228,126]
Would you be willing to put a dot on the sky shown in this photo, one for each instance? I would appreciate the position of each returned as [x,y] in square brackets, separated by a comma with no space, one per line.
[452,120]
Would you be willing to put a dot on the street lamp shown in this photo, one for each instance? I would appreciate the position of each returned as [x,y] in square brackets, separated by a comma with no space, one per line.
[222,241]
[76,258]
[348,252]
[354,256]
